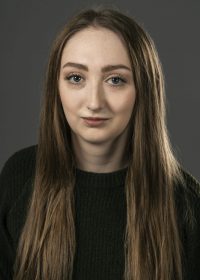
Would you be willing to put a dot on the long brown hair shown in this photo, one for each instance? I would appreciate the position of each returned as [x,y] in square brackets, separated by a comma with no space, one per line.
[152,245]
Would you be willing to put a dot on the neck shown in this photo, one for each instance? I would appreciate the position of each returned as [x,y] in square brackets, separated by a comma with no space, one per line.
[100,158]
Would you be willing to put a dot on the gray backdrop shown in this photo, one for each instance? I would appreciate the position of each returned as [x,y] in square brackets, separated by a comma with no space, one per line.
[27,30]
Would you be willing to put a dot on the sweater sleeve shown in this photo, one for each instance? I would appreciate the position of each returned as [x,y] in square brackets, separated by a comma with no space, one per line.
[193,231]
[14,174]
[6,185]
[190,216]
[194,245]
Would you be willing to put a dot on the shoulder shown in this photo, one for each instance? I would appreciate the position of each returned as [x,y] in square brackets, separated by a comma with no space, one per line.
[17,170]
[190,217]
[20,162]
[23,155]
[188,202]
[15,178]
[191,187]
[15,190]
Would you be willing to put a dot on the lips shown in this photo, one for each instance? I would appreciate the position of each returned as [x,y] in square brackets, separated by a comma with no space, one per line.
[95,119]
[94,122]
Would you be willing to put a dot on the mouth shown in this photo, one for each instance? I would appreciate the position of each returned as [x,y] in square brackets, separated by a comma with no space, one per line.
[95,119]
[93,122]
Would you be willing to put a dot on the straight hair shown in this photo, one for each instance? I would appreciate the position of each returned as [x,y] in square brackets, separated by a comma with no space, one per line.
[152,244]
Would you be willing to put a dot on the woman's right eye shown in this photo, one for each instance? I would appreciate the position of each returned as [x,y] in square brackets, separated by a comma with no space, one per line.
[76,78]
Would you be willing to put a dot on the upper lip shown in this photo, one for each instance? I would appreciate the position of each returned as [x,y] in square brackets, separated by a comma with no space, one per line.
[94,118]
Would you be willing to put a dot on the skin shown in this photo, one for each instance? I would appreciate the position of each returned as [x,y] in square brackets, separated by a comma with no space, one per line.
[95,94]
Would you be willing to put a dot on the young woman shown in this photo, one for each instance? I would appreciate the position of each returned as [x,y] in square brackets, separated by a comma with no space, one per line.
[101,196]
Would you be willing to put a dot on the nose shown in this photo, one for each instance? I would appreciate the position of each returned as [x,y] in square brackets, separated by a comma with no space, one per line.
[95,100]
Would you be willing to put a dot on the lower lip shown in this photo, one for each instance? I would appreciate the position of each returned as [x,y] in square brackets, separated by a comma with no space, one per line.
[91,122]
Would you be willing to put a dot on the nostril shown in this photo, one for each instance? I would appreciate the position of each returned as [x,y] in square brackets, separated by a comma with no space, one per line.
[94,108]
[95,102]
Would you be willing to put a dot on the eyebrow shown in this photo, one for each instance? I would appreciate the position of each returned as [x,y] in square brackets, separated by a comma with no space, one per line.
[104,69]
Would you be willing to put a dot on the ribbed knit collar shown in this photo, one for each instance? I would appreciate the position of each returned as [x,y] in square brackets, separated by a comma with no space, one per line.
[109,179]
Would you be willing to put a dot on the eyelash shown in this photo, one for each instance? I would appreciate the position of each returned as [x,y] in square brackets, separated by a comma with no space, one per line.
[123,81]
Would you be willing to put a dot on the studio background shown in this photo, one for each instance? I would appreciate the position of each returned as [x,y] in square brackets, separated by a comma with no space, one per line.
[28,29]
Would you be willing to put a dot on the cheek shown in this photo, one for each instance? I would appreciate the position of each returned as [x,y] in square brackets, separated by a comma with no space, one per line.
[124,104]
[70,103]
[70,109]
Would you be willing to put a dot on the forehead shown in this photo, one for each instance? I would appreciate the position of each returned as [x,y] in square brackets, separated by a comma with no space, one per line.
[96,44]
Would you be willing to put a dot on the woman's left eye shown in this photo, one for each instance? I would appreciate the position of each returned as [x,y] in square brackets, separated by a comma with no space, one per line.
[116,80]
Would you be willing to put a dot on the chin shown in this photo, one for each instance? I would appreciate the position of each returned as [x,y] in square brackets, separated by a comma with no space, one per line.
[96,141]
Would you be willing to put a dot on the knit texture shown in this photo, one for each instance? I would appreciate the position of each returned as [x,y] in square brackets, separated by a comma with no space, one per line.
[100,224]
[100,219]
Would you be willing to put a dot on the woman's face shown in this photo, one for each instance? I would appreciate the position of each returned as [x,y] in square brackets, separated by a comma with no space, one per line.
[93,85]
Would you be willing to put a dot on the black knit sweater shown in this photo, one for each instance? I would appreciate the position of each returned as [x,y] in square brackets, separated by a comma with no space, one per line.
[100,219]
